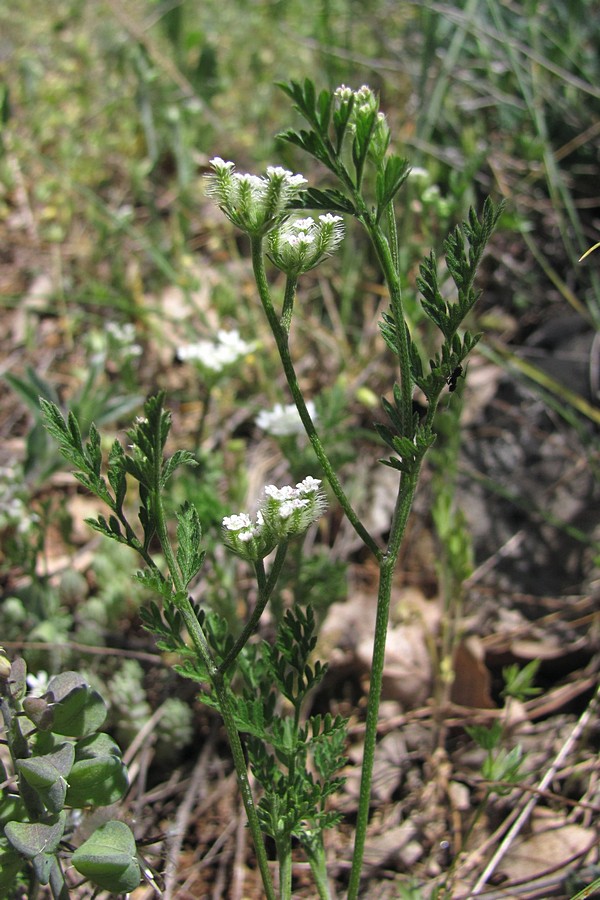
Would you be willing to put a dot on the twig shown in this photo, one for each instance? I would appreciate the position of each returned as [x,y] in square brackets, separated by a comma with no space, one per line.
[561,756]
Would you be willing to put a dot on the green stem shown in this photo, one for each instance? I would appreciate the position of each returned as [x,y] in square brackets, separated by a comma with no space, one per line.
[392,279]
[288,303]
[318,866]
[393,233]
[201,645]
[284,855]
[19,749]
[281,339]
[265,589]
[386,572]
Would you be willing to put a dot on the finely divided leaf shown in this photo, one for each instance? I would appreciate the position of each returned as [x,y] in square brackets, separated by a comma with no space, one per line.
[189,534]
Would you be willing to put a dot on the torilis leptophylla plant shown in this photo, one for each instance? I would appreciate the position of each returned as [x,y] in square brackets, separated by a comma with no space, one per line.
[348,134]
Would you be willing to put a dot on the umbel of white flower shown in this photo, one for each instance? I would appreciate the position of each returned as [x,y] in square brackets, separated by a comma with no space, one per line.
[300,244]
[254,203]
[284,421]
[284,512]
[225,351]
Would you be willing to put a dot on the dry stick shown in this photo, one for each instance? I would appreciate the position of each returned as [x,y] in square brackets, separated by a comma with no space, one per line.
[561,756]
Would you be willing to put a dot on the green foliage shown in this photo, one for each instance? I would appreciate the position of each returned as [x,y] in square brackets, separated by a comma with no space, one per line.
[518,682]
[55,776]
[502,767]
[108,858]
[262,689]
[145,464]
[294,800]
[94,401]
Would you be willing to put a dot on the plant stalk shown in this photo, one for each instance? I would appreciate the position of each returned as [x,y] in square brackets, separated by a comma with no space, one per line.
[265,589]
[200,642]
[281,339]
[386,572]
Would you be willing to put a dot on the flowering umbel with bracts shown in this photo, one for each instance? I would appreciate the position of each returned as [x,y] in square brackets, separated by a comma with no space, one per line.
[255,203]
[299,245]
[284,512]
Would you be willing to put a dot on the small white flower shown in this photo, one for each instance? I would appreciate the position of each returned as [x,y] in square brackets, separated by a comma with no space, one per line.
[284,421]
[277,172]
[216,356]
[284,493]
[343,93]
[220,164]
[286,509]
[237,522]
[308,485]
[37,684]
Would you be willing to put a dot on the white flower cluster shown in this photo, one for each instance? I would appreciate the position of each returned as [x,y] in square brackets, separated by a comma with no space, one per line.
[284,512]
[284,421]
[365,101]
[122,335]
[217,355]
[299,245]
[254,203]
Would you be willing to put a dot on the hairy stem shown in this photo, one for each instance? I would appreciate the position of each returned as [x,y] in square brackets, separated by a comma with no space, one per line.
[386,572]
[201,645]
[265,589]
[281,339]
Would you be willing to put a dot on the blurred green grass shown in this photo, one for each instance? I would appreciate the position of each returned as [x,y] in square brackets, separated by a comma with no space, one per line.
[111,112]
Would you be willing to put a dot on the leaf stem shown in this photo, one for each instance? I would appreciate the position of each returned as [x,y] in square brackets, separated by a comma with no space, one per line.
[265,589]
[386,260]
[281,339]
[386,571]
[183,603]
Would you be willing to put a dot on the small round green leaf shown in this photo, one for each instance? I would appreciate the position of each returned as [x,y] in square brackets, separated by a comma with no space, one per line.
[31,838]
[39,712]
[47,775]
[18,673]
[77,709]
[108,858]
[99,781]
[95,745]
